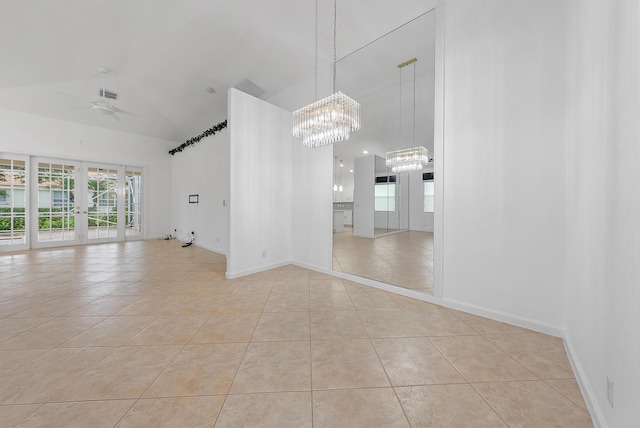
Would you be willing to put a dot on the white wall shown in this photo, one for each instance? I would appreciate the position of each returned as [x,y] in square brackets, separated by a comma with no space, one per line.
[504,128]
[260,185]
[24,133]
[203,169]
[602,252]
[312,210]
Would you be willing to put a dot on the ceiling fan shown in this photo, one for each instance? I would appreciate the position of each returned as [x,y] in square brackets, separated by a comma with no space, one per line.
[104,106]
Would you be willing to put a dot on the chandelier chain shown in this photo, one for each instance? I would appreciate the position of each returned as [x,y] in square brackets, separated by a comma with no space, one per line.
[315,97]
[335,56]
[413,136]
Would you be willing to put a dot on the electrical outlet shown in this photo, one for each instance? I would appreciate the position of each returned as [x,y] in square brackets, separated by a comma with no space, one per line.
[610,391]
[264,254]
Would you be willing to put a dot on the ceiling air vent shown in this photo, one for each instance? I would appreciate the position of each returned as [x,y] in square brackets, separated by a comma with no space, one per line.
[108,94]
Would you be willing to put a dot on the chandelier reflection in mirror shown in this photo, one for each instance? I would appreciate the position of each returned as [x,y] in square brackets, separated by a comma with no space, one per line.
[414,158]
[331,119]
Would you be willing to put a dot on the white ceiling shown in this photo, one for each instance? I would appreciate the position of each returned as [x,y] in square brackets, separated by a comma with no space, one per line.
[164,53]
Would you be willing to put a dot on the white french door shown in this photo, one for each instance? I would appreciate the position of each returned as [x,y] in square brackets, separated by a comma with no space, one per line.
[54,195]
[83,202]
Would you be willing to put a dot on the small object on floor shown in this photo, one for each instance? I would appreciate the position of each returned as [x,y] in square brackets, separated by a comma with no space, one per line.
[186,244]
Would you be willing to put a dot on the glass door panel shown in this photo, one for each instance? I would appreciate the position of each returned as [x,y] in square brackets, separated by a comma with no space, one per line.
[102,201]
[55,202]
[13,186]
[133,203]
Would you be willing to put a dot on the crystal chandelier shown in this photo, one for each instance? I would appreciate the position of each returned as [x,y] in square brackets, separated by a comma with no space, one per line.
[414,158]
[331,119]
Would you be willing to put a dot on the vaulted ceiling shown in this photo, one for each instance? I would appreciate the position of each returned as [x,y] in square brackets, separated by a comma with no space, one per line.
[163,54]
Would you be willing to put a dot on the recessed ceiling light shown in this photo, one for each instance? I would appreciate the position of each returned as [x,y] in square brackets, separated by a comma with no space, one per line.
[365,152]
[341,165]
[210,89]
[350,170]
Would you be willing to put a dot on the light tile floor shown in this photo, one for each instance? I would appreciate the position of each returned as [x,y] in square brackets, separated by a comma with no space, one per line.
[150,334]
[404,258]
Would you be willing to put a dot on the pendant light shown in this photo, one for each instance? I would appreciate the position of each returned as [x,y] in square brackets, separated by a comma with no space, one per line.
[331,119]
[414,158]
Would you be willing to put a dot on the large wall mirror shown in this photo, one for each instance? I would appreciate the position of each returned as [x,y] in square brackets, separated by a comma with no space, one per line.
[383,221]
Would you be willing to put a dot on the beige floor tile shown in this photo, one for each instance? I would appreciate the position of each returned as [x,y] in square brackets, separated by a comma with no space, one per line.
[126,373]
[372,301]
[193,305]
[441,323]
[10,327]
[389,323]
[277,410]
[355,408]
[11,307]
[245,343]
[55,307]
[488,326]
[351,363]
[51,334]
[274,367]
[478,360]
[254,287]
[193,412]
[94,414]
[277,326]
[220,328]
[336,325]
[150,306]
[243,302]
[290,285]
[447,406]
[414,361]
[199,370]
[532,403]
[543,358]
[327,286]
[13,358]
[330,302]
[45,377]
[113,331]
[10,416]
[104,306]
[288,301]
[570,389]
[169,330]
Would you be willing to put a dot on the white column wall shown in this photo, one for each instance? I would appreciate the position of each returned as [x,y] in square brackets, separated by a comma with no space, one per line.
[203,169]
[41,136]
[260,185]
[504,130]
[602,326]
[312,210]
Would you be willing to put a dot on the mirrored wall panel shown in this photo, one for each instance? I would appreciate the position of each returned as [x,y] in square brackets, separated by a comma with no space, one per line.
[383,219]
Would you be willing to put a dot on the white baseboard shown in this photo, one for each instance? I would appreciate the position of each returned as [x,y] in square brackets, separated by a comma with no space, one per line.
[585,386]
[234,275]
[210,248]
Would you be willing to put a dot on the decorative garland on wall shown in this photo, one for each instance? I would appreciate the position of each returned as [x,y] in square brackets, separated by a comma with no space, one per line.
[191,141]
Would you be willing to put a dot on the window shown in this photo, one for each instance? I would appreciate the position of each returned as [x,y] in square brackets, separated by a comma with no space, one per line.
[429,196]
[12,201]
[385,197]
